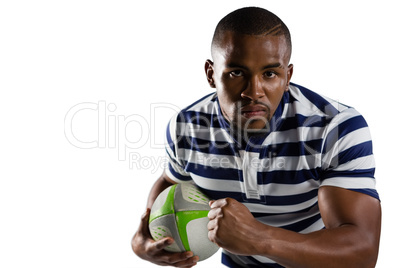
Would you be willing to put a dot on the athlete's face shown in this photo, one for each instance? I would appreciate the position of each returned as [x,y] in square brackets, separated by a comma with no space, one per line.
[250,74]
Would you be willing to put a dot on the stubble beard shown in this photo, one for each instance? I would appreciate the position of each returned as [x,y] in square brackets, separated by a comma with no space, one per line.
[243,127]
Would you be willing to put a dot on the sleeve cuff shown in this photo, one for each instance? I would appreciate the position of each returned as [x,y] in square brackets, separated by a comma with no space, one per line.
[174,176]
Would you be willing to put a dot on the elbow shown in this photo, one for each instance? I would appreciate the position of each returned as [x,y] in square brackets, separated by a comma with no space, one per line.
[366,254]
[359,249]
[370,255]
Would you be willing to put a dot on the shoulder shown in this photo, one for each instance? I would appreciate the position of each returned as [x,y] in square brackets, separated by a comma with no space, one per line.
[197,113]
[337,125]
[202,107]
[316,108]
[203,104]
[312,103]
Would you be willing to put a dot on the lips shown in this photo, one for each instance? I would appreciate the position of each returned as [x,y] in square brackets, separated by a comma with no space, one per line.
[250,111]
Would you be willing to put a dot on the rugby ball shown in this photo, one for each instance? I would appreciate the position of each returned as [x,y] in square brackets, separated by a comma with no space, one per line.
[181,212]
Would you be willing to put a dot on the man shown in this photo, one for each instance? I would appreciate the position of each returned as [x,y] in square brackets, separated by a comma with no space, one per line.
[291,172]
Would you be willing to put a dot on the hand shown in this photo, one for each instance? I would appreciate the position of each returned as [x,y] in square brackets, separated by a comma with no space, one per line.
[233,227]
[148,249]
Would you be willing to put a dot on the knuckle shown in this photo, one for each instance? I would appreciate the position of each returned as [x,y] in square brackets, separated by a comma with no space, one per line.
[211,214]
[160,246]
[152,247]
[212,235]
[211,225]
[228,200]
[217,211]
[219,215]
[148,249]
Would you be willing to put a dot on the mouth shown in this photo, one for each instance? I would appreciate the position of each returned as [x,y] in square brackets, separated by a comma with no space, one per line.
[251,111]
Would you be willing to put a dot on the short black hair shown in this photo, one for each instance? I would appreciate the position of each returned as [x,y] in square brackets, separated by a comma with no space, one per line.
[252,21]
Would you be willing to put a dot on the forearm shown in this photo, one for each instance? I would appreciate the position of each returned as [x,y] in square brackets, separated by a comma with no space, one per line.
[344,246]
[351,237]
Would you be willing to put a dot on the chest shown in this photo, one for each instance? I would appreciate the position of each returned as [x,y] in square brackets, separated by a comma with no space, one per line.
[280,175]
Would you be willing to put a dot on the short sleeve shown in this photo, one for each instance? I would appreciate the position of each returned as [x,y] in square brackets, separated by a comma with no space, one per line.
[347,159]
[175,169]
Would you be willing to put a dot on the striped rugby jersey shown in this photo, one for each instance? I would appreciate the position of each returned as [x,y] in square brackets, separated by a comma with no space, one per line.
[313,141]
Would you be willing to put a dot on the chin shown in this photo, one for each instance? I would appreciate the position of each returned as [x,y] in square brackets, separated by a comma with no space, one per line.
[255,125]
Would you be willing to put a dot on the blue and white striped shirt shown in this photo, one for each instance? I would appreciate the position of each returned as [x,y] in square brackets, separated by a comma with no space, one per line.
[313,141]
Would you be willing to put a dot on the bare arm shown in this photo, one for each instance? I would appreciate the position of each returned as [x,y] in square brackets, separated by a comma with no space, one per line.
[146,248]
[351,237]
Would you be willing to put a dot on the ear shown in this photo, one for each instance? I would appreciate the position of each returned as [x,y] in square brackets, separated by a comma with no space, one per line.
[289,76]
[209,72]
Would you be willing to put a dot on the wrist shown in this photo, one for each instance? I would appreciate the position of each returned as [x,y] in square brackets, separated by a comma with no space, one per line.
[262,243]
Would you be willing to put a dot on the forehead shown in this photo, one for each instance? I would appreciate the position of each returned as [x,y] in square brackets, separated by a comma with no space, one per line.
[251,48]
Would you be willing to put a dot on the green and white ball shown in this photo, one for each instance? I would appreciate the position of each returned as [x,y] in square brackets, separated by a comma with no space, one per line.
[181,212]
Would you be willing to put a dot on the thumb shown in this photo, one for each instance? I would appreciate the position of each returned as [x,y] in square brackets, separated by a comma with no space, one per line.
[142,231]
[144,221]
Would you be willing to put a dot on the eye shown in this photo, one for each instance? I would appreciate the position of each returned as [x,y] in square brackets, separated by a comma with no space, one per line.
[236,73]
[270,74]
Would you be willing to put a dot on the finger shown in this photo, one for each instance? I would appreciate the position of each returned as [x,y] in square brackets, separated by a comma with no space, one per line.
[211,202]
[189,262]
[211,225]
[161,244]
[185,264]
[212,236]
[144,221]
[213,213]
[179,259]
[218,203]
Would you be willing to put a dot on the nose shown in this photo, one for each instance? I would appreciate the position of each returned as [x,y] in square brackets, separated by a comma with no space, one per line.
[254,89]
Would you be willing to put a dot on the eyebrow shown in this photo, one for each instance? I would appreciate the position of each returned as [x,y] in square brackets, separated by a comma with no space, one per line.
[272,65]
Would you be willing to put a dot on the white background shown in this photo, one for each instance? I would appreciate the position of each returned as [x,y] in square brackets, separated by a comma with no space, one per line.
[65,206]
